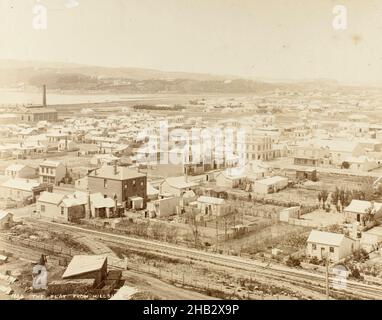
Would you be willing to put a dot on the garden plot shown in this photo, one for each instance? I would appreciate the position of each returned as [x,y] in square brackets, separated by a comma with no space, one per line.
[302,196]
[266,236]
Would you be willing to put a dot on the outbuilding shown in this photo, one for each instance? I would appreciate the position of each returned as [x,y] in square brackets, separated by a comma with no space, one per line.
[87,267]
[6,219]
[270,185]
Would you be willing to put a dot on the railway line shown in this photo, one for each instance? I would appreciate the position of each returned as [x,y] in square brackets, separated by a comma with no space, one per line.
[312,283]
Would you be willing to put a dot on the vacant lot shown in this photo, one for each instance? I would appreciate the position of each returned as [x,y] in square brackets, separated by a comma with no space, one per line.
[266,236]
[302,196]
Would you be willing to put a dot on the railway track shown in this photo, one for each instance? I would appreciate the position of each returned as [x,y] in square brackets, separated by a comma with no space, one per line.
[313,283]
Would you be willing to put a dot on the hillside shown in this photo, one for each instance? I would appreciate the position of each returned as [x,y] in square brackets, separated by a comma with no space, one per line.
[69,76]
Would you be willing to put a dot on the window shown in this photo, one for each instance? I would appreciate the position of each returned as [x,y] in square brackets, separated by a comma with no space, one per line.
[331,249]
[133,182]
[314,247]
[42,208]
[142,183]
[105,183]
[62,210]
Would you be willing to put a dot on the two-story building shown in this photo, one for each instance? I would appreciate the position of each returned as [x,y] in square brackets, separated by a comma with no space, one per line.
[20,171]
[127,185]
[51,172]
[311,154]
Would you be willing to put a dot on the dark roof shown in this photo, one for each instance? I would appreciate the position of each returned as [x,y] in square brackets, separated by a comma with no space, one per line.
[123,173]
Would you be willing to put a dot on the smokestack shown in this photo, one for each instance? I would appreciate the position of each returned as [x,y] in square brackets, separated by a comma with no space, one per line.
[88,209]
[44,96]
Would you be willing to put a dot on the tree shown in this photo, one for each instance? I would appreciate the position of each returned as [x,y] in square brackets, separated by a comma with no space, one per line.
[171,233]
[368,189]
[191,219]
[156,231]
[319,197]
[324,196]
[335,197]
[345,165]
[347,198]
[370,214]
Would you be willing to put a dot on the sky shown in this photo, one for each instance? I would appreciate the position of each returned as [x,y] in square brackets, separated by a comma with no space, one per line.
[272,39]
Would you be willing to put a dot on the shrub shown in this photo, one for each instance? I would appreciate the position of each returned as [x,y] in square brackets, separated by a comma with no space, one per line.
[293,262]
[360,255]
[356,274]
[314,260]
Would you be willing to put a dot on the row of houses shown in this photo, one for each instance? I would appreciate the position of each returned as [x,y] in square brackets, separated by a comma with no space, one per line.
[353,155]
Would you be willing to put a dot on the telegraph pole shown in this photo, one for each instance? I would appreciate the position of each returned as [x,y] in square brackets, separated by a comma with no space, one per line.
[217,235]
[327,278]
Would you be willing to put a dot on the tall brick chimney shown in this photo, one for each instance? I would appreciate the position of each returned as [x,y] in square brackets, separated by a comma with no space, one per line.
[44,95]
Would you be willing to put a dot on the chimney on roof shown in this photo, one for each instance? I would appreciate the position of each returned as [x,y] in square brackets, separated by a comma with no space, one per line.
[44,95]
[115,168]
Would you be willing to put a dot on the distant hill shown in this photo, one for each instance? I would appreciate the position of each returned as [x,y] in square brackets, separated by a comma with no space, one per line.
[120,72]
[70,76]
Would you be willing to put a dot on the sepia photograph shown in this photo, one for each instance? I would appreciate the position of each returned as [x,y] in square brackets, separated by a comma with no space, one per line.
[190,150]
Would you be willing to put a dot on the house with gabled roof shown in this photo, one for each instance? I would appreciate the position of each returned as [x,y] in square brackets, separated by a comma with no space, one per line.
[212,206]
[177,186]
[61,207]
[330,245]
[358,210]
[21,190]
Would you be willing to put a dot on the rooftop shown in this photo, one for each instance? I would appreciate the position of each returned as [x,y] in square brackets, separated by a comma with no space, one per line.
[180,182]
[272,180]
[3,214]
[360,206]
[328,238]
[21,184]
[210,200]
[50,163]
[122,173]
[51,197]
[81,264]
[15,167]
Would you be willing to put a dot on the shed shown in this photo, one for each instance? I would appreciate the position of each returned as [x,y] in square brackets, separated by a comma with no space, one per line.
[307,173]
[87,267]
[270,185]
[6,219]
